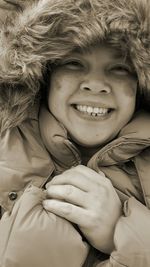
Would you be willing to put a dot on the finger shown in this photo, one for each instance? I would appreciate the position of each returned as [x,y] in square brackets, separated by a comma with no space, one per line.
[72,178]
[81,177]
[88,171]
[78,197]
[68,211]
[92,174]
[68,193]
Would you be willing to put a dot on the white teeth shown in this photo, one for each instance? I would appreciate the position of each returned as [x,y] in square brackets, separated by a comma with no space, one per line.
[83,108]
[94,111]
[89,110]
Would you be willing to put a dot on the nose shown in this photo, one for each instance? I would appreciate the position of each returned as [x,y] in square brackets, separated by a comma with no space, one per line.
[95,85]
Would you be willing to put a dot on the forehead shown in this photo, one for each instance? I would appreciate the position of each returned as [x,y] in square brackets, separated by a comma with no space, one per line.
[104,51]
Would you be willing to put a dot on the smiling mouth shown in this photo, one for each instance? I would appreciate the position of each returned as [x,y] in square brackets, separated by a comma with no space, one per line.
[93,111]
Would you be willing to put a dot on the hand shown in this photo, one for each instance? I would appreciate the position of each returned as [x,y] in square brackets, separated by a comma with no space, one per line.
[88,199]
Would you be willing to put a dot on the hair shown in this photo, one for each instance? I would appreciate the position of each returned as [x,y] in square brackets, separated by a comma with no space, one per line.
[44,31]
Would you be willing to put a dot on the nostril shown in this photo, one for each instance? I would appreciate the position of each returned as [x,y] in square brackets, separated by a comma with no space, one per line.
[95,87]
[86,88]
[104,91]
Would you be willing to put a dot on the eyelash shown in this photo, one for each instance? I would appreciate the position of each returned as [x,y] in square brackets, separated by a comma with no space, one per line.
[121,69]
[73,64]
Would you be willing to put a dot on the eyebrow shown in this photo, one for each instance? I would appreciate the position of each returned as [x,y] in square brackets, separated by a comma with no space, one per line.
[122,56]
[117,53]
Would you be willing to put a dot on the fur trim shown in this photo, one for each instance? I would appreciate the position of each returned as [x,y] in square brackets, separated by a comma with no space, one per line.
[46,30]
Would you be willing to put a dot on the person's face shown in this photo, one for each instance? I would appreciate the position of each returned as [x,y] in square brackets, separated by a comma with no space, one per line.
[93,94]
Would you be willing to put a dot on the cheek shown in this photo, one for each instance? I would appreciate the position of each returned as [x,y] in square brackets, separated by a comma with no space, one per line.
[55,89]
[126,96]
[127,100]
[130,89]
[56,83]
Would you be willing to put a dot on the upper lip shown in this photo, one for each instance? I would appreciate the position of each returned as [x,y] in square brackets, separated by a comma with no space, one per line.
[94,104]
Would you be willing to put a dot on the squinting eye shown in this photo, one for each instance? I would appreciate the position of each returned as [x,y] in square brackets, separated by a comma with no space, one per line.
[121,70]
[73,65]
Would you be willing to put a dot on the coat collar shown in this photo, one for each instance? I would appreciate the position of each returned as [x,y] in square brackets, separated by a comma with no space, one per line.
[56,140]
[132,139]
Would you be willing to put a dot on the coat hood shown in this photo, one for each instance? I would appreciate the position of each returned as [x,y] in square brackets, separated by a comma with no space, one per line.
[46,30]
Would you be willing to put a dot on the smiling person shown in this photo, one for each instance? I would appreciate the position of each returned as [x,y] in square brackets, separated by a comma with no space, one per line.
[75,131]
[93,118]
[97,92]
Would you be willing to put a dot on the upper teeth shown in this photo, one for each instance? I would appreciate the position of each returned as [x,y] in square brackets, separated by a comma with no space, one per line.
[92,110]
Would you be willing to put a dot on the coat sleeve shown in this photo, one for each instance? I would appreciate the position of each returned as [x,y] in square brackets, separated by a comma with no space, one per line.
[31,236]
[131,238]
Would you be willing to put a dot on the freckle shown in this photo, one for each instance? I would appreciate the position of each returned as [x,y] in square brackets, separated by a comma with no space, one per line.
[130,92]
[57,84]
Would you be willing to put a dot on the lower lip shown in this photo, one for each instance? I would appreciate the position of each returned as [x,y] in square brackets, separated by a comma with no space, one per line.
[87,116]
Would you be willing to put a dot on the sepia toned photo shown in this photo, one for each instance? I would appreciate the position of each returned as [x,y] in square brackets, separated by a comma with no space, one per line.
[75,133]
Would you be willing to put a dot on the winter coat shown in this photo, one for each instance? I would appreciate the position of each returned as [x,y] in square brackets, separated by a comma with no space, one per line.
[126,162]
[40,34]
[29,235]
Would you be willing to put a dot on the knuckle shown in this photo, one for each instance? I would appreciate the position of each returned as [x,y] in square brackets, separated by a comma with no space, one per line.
[80,167]
[104,191]
[102,188]
[69,190]
[54,180]
[69,173]
[68,209]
